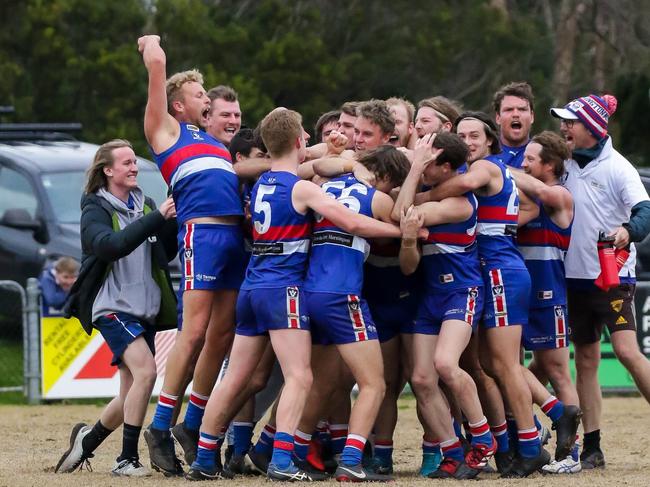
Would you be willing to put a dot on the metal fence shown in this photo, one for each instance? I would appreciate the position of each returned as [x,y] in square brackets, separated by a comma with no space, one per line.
[20,338]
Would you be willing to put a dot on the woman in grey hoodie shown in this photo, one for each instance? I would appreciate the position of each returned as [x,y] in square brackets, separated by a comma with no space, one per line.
[124,291]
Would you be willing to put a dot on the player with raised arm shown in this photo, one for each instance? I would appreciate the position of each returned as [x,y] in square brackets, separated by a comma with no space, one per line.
[452,301]
[205,188]
[507,285]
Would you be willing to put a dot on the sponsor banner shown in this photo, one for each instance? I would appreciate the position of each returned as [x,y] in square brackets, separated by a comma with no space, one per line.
[75,365]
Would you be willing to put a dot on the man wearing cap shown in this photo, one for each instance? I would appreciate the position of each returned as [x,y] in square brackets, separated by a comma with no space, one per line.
[608,196]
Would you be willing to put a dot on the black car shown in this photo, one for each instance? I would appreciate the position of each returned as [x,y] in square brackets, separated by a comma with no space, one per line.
[42,173]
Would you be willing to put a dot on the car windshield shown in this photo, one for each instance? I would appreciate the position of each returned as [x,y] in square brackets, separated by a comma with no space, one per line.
[64,191]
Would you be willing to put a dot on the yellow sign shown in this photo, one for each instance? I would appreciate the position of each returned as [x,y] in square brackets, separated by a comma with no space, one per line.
[62,341]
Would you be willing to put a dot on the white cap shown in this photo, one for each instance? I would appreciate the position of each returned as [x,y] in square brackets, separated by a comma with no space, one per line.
[563,113]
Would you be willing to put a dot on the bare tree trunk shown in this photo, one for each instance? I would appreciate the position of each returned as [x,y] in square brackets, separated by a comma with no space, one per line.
[601,29]
[502,6]
[566,35]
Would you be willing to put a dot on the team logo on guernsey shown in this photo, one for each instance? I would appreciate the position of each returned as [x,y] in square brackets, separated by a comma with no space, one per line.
[293,307]
[192,128]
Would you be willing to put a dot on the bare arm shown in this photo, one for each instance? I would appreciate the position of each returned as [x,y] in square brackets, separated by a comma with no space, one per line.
[409,252]
[476,177]
[557,200]
[450,210]
[160,128]
[330,167]
[308,195]
[382,206]
[252,168]
[422,156]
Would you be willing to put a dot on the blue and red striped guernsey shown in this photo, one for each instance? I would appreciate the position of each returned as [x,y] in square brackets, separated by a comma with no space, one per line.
[450,255]
[544,245]
[497,225]
[199,171]
[280,234]
[336,260]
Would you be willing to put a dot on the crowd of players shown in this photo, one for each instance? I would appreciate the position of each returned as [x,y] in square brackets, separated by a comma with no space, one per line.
[425,246]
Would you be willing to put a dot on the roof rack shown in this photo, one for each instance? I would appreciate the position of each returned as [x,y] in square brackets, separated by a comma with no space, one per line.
[38,131]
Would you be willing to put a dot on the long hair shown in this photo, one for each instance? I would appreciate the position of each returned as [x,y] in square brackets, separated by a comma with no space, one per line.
[95,177]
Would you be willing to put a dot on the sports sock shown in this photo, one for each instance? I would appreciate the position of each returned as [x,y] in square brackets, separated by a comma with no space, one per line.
[575,451]
[93,439]
[195,410]
[301,445]
[242,432]
[500,433]
[384,451]
[282,450]
[529,444]
[553,408]
[430,447]
[481,433]
[207,450]
[452,448]
[592,440]
[130,437]
[339,434]
[264,443]
[353,450]
[162,417]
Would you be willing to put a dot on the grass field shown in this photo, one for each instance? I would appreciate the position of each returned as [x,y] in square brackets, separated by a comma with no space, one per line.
[34,437]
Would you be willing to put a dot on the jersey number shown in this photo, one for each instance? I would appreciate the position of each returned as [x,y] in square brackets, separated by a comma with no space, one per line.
[346,198]
[513,201]
[263,207]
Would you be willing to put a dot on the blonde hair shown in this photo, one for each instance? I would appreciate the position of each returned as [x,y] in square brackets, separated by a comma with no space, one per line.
[66,265]
[410,108]
[280,129]
[95,177]
[175,83]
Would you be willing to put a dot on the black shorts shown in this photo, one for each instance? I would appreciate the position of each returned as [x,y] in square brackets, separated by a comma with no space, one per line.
[591,310]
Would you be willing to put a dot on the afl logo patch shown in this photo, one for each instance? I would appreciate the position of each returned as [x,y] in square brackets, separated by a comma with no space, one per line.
[188,253]
[497,290]
[473,293]
[353,305]
[292,292]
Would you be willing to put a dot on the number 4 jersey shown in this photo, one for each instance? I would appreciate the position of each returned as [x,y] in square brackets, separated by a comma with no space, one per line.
[280,234]
[336,261]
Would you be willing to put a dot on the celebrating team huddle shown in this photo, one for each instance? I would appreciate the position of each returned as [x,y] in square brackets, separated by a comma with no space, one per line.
[425,248]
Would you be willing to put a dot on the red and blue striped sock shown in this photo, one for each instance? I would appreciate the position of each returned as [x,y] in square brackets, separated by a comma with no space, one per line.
[452,448]
[301,445]
[162,417]
[339,434]
[529,444]
[195,410]
[242,433]
[430,447]
[264,443]
[553,408]
[353,450]
[481,433]
[384,450]
[282,450]
[207,450]
[500,433]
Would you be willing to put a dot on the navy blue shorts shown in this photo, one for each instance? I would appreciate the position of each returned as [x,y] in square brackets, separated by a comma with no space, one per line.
[464,304]
[547,328]
[212,256]
[394,317]
[261,310]
[339,319]
[507,296]
[120,330]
